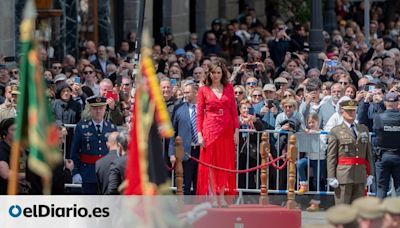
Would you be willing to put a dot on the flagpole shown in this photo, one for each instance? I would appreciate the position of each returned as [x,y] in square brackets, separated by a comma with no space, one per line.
[14,169]
[138,42]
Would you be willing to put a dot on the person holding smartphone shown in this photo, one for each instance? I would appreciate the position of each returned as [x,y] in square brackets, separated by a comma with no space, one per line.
[281,44]
[267,110]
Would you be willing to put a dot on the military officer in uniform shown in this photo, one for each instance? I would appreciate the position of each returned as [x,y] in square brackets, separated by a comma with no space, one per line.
[342,215]
[349,159]
[391,206]
[370,212]
[89,145]
[387,128]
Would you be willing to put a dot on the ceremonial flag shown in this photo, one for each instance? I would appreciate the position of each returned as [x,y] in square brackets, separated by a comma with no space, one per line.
[146,173]
[36,130]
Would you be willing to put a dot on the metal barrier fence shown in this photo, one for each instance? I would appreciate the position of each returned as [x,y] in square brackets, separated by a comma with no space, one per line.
[248,155]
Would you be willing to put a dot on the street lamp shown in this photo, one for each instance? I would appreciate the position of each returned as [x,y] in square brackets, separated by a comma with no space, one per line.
[316,37]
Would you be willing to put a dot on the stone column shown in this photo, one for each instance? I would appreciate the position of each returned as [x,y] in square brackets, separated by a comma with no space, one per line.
[316,37]
[71,26]
[180,22]
[330,16]
[228,9]
[206,11]
[259,6]
[131,16]
[7,32]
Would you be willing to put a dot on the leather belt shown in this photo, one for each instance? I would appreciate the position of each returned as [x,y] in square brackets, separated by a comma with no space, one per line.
[89,158]
[354,161]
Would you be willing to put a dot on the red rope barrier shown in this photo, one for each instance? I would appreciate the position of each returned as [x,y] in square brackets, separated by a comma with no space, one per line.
[170,168]
[245,170]
[275,165]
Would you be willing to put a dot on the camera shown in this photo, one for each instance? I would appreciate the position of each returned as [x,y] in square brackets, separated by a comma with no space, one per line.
[251,66]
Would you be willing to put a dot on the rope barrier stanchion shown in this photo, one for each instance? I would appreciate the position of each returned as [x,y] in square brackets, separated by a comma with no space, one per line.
[178,163]
[292,157]
[264,151]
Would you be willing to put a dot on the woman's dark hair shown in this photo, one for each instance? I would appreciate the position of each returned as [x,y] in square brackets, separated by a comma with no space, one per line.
[224,78]
[4,125]
[88,91]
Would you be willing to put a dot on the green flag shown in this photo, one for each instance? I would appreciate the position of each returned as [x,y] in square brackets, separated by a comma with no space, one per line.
[36,130]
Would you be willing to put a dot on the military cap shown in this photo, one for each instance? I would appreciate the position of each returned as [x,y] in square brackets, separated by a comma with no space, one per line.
[14,90]
[348,105]
[341,214]
[96,101]
[391,97]
[369,207]
[391,205]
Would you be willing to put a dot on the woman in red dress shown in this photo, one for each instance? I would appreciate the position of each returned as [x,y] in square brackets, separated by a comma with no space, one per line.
[218,132]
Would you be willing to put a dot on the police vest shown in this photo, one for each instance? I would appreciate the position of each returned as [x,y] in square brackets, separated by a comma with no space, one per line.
[388,129]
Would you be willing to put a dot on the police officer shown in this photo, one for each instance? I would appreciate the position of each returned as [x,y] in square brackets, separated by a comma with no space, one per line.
[387,129]
[349,159]
[89,145]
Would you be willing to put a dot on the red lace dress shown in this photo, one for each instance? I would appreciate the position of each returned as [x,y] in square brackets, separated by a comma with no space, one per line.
[217,120]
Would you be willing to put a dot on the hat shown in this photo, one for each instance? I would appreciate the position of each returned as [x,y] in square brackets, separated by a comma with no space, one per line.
[60,77]
[281,80]
[216,21]
[341,214]
[96,101]
[348,105]
[391,205]
[14,90]
[269,87]
[391,97]
[180,51]
[369,207]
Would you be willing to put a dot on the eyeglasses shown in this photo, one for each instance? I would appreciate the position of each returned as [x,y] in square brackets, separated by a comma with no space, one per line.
[288,106]
[343,83]
[238,92]
[126,84]
[236,65]
[257,95]
[56,67]
[251,83]
[88,72]
[288,95]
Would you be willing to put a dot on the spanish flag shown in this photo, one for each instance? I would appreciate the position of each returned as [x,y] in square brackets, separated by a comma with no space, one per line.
[146,173]
[36,130]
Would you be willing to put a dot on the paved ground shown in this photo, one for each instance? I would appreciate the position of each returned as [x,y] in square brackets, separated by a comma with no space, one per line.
[312,218]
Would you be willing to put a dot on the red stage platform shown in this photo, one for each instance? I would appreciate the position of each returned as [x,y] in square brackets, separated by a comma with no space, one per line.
[250,215]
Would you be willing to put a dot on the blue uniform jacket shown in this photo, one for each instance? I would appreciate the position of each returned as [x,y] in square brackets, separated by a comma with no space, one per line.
[88,141]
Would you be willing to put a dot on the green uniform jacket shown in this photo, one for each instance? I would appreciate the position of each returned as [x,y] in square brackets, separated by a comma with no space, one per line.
[342,143]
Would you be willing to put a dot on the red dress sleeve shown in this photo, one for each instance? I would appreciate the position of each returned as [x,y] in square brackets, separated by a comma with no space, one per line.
[200,110]
[234,112]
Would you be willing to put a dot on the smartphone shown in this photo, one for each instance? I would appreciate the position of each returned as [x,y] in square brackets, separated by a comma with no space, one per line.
[278,86]
[332,63]
[371,88]
[270,103]
[251,66]
[263,55]
[111,94]
[77,80]
[251,111]
[174,82]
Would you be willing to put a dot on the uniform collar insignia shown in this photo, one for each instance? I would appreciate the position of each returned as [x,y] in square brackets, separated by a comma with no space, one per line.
[90,123]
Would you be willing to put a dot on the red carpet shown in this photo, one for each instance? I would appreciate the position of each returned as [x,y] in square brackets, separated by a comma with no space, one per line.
[250,215]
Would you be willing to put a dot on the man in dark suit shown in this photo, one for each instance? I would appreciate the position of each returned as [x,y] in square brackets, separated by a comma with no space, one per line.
[101,62]
[89,145]
[184,122]
[103,165]
[118,166]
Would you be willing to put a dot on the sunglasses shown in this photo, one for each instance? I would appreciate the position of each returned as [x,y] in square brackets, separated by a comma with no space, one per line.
[14,72]
[257,95]
[288,95]
[56,67]
[343,83]
[288,106]
[251,83]
[238,92]
[126,109]
[88,72]
[126,84]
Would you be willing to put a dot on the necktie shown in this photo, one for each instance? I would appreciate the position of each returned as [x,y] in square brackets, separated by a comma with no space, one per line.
[193,123]
[353,128]
[98,128]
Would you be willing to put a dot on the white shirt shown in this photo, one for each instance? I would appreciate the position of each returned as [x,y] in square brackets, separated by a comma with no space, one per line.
[101,125]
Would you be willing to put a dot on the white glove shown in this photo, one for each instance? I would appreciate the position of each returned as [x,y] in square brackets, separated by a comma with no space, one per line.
[370,178]
[333,182]
[77,179]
